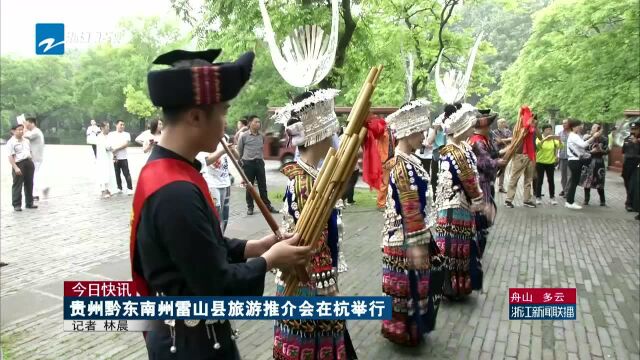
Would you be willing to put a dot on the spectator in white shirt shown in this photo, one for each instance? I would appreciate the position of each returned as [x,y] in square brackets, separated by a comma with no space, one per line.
[215,170]
[92,134]
[104,163]
[119,141]
[20,159]
[576,148]
[155,129]
[36,141]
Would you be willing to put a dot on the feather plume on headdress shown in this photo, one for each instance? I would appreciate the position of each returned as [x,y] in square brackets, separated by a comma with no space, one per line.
[453,86]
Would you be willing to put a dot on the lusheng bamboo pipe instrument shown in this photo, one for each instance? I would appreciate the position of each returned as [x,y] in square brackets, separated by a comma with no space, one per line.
[332,178]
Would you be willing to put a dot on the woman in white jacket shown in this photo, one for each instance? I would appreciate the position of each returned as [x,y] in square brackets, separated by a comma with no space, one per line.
[576,148]
[104,162]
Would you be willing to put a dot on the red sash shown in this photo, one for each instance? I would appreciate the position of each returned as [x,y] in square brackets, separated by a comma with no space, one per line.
[154,175]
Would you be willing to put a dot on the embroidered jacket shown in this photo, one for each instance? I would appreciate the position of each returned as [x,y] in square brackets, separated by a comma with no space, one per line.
[487,159]
[324,260]
[407,203]
[458,184]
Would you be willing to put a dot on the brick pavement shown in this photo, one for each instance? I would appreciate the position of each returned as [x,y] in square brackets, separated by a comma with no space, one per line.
[76,236]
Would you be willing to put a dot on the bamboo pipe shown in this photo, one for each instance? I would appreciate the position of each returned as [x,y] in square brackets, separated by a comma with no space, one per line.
[300,271]
[321,217]
[355,121]
[328,187]
[359,100]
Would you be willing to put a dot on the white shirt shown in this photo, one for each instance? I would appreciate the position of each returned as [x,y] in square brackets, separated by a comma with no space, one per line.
[116,139]
[575,146]
[147,140]
[217,174]
[92,134]
[36,143]
[144,136]
[20,148]
[428,150]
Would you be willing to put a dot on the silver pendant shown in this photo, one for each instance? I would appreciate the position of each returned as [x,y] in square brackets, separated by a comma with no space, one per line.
[191,323]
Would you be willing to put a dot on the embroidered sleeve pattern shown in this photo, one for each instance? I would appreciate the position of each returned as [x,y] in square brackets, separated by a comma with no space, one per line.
[466,167]
[404,176]
[457,179]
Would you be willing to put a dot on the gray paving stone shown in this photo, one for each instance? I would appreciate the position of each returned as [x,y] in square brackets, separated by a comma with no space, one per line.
[499,350]
[547,354]
[536,347]
[523,353]
[527,247]
[525,335]
[512,344]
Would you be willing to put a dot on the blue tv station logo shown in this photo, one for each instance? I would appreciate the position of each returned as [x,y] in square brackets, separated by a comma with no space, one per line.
[49,39]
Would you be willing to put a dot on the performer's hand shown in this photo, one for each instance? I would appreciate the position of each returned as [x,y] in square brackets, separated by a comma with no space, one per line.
[17,171]
[502,162]
[271,239]
[285,253]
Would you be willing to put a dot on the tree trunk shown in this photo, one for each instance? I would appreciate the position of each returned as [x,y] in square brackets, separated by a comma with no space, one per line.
[429,64]
[343,44]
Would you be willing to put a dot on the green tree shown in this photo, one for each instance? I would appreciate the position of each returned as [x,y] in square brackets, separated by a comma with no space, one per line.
[371,33]
[124,91]
[507,25]
[39,87]
[582,58]
[137,103]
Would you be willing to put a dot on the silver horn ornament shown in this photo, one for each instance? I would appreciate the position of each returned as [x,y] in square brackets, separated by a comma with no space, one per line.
[306,55]
[453,86]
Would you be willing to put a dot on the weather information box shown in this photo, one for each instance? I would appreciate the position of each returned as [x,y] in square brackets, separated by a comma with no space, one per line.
[542,303]
[110,306]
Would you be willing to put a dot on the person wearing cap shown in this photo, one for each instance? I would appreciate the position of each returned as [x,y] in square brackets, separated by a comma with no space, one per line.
[177,247]
[411,261]
[631,152]
[488,163]
[458,197]
[19,150]
[310,122]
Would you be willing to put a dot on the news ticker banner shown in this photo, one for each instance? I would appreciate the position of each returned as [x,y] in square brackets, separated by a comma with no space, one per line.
[110,306]
[542,303]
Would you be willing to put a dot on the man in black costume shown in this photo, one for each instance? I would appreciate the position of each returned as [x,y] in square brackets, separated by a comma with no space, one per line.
[177,247]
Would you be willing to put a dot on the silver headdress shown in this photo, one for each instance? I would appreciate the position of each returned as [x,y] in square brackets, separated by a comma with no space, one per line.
[462,120]
[453,86]
[410,118]
[317,115]
[307,55]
